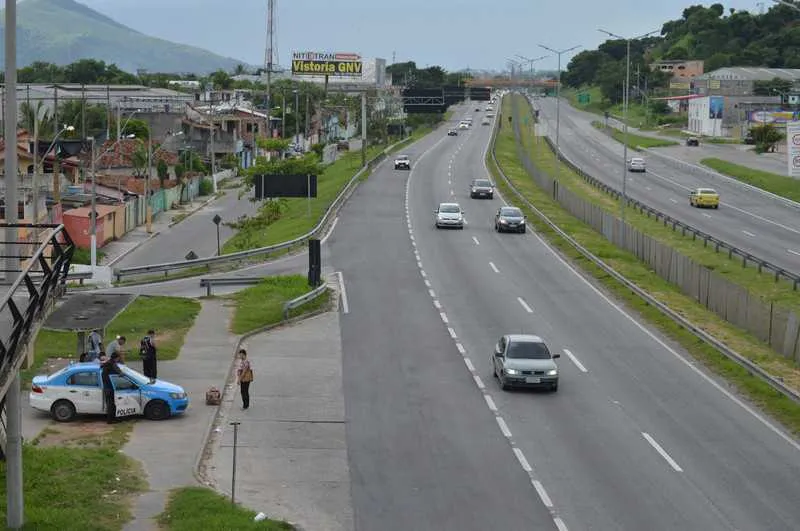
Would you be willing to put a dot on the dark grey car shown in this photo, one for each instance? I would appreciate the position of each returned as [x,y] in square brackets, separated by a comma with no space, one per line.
[481,188]
[521,360]
[509,219]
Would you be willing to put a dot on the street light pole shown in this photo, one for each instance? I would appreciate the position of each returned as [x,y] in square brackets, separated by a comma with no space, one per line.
[36,161]
[93,214]
[148,212]
[296,114]
[559,53]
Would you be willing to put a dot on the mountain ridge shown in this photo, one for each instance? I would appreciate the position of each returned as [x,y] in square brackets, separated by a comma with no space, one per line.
[64,31]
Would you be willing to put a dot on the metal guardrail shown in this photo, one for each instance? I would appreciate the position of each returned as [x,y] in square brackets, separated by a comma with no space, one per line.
[208,283]
[243,255]
[753,368]
[303,299]
[679,225]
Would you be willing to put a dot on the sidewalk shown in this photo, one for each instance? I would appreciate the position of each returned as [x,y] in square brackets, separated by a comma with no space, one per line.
[169,450]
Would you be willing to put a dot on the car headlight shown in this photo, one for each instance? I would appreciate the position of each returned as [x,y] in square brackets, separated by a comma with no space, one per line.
[474,190]
[177,396]
[511,371]
[552,372]
[504,222]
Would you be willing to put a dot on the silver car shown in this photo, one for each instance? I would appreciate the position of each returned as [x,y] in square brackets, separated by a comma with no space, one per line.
[524,361]
[449,215]
[637,164]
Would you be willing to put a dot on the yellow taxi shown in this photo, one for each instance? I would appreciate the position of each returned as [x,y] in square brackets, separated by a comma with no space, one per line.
[704,197]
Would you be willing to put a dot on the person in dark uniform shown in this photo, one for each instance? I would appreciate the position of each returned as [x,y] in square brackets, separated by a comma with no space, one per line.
[109,367]
[149,353]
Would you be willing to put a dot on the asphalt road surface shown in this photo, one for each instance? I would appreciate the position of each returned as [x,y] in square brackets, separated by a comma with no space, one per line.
[756,223]
[636,437]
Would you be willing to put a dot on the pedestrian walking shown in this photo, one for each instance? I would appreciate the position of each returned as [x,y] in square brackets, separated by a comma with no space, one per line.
[95,346]
[109,367]
[245,377]
[149,354]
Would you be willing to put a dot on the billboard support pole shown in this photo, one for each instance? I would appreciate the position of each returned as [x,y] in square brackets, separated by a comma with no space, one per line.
[308,197]
[363,129]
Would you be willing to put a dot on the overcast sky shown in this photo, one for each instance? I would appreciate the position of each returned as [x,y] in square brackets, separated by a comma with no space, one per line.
[455,34]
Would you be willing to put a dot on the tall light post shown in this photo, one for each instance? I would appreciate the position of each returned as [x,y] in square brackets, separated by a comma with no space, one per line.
[531,62]
[625,98]
[513,63]
[36,161]
[559,53]
[296,115]
[787,4]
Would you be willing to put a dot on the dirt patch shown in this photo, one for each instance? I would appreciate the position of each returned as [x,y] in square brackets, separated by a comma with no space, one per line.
[85,433]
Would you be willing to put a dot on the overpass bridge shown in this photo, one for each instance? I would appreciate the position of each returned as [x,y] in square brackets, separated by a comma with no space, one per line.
[509,83]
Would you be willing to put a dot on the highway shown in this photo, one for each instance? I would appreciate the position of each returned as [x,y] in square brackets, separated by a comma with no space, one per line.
[756,223]
[636,438]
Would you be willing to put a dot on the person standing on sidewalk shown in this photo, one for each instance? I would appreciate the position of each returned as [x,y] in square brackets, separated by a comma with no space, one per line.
[95,346]
[245,377]
[148,352]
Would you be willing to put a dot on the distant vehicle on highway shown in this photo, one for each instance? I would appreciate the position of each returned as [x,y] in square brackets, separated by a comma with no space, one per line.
[509,219]
[481,188]
[402,162]
[77,389]
[637,164]
[489,108]
[463,125]
[452,132]
[704,197]
[490,114]
[693,141]
[477,109]
[522,360]
[449,215]
[486,121]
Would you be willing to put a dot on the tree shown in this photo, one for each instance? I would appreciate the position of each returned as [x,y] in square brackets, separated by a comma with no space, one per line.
[766,137]
[139,128]
[139,159]
[163,171]
[221,80]
[29,113]
[180,170]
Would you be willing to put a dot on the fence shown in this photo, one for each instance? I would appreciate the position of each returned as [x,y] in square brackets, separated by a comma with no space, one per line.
[771,323]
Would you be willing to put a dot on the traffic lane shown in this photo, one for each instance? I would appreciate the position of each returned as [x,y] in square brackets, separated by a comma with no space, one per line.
[577,444]
[423,454]
[196,233]
[748,231]
[627,364]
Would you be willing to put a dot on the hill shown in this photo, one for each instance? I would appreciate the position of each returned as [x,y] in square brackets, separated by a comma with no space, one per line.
[64,31]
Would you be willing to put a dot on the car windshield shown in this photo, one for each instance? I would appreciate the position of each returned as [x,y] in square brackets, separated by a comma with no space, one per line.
[482,182]
[527,350]
[402,157]
[137,377]
[511,212]
[449,209]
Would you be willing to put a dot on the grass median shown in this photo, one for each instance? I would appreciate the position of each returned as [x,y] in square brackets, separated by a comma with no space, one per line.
[262,304]
[781,185]
[635,141]
[636,271]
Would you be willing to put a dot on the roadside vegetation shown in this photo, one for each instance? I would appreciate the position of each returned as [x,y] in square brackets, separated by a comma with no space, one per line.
[628,265]
[76,477]
[193,508]
[262,304]
[634,141]
[781,185]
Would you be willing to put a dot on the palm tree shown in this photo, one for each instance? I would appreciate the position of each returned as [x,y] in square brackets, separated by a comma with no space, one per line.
[239,70]
[29,113]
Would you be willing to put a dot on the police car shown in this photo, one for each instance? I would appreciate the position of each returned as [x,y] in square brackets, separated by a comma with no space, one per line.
[77,389]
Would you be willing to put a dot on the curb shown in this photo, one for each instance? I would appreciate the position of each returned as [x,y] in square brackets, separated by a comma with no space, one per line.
[202,206]
[129,251]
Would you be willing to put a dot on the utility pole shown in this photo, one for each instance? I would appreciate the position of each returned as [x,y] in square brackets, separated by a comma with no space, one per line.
[94,212]
[15,509]
[213,154]
[119,122]
[268,60]
[306,132]
[363,129]
[147,210]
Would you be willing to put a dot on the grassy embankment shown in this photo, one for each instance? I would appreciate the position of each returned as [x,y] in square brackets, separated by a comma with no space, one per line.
[635,141]
[627,264]
[781,185]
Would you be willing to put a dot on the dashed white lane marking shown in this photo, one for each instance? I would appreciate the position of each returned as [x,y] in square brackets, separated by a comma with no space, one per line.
[427,283]
[575,360]
[461,349]
[662,452]
[476,240]
[707,215]
[479,382]
[419,264]
[524,305]
[432,293]
[469,364]
[542,494]
[490,403]
[437,304]
[673,200]
[494,267]
[503,427]
[423,273]
[749,234]
[343,293]
[444,317]
[522,461]
[452,192]
[452,333]
[330,231]
[793,252]
[647,188]
[560,525]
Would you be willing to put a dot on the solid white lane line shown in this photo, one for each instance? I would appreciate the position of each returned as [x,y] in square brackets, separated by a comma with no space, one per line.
[479,382]
[437,304]
[524,305]
[503,427]
[793,252]
[427,283]
[432,293]
[476,240]
[542,494]
[452,333]
[444,317]
[575,360]
[494,267]
[560,525]
[662,452]
[423,273]
[749,234]
[469,364]
[330,231]
[522,461]
[419,264]
[490,403]
[343,294]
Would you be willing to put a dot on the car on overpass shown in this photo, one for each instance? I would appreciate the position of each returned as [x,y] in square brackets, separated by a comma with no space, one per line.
[637,164]
[77,389]
[449,215]
[523,360]
[481,188]
[402,162]
[704,197]
[509,219]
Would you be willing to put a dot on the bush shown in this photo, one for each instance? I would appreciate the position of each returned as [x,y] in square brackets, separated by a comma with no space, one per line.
[318,149]
[206,187]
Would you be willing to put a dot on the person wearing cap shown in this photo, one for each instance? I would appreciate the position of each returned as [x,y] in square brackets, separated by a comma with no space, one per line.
[109,367]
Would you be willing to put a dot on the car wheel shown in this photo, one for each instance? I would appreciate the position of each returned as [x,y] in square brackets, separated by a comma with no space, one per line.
[156,410]
[523,230]
[503,385]
[554,387]
[491,196]
[716,207]
[62,411]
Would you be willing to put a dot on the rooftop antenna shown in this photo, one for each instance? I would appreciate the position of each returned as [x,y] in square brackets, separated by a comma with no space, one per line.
[394,57]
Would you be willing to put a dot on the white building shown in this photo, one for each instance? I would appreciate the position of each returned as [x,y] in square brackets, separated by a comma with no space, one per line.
[728,116]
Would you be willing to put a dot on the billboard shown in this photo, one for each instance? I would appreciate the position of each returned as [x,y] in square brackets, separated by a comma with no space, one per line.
[773,117]
[327,64]
[793,143]
[715,106]
[269,186]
